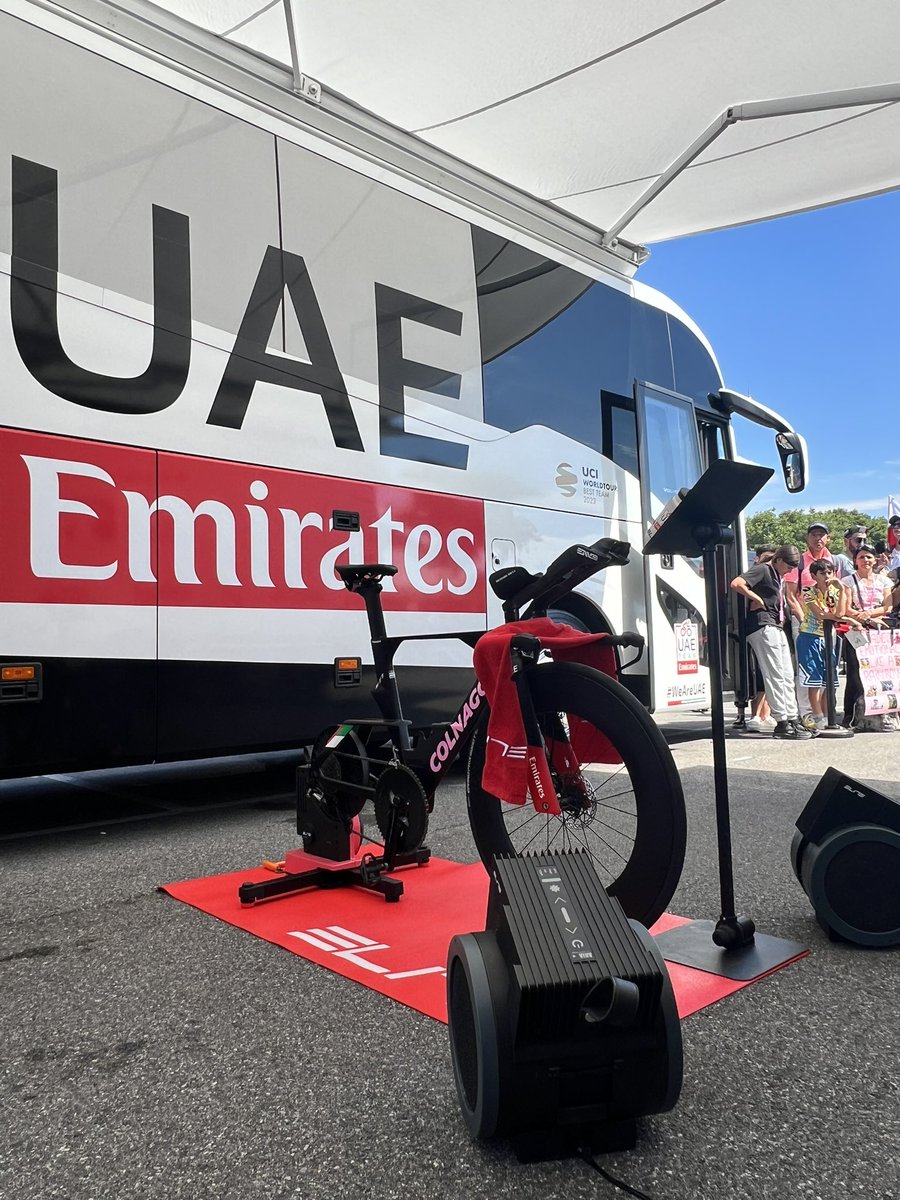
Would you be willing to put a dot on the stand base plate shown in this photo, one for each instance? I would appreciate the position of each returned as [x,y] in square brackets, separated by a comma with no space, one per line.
[691,945]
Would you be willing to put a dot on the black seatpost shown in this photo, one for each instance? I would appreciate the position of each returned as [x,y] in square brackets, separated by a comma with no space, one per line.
[370,590]
[385,692]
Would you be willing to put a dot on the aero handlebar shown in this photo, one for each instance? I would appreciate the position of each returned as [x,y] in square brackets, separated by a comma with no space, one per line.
[517,587]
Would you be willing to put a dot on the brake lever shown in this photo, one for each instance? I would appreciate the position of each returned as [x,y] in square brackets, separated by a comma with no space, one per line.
[629,638]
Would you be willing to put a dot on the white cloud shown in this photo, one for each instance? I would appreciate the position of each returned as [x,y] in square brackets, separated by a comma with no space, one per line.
[875,507]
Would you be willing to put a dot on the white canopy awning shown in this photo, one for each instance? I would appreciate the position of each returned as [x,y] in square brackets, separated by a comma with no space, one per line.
[587,103]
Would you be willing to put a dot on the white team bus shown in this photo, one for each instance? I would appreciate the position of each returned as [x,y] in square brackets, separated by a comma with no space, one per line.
[244,339]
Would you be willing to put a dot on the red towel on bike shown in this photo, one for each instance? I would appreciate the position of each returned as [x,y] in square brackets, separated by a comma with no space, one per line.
[508,772]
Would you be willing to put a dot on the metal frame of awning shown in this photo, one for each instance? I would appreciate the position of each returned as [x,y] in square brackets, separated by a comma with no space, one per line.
[303,85]
[888,93]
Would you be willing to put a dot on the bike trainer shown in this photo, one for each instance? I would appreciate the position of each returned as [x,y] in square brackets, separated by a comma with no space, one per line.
[846,855]
[332,855]
[563,1023]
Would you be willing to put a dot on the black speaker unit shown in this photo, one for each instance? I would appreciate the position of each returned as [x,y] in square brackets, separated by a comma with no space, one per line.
[563,1024]
[846,854]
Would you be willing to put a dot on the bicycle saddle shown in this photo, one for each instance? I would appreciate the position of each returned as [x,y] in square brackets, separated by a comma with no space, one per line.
[353,574]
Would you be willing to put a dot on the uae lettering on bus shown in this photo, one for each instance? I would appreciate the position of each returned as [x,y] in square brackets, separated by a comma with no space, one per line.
[283,278]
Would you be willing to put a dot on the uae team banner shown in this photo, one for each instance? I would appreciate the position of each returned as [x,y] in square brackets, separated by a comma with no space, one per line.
[878,651]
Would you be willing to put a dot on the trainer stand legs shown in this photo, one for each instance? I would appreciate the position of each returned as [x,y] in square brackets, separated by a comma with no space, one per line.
[327,860]
[731,947]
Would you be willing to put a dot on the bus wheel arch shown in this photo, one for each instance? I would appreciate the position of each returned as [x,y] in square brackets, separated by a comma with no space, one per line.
[585,617]
[581,614]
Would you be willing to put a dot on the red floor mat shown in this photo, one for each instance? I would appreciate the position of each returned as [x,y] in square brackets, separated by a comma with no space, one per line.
[398,949]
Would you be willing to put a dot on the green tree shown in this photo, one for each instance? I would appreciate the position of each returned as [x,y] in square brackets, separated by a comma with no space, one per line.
[791,524]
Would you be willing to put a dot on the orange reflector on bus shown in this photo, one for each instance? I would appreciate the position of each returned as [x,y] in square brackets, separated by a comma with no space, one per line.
[347,672]
[16,674]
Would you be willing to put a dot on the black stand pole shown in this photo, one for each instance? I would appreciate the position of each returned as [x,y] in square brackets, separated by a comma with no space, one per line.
[731,947]
[834,728]
[731,930]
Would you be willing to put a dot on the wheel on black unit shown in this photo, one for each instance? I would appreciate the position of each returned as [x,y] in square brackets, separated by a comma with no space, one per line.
[628,815]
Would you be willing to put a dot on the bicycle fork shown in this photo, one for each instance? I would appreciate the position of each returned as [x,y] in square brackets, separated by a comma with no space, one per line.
[523,652]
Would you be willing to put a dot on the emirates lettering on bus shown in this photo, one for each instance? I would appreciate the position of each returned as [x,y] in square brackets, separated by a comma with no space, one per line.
[115,524]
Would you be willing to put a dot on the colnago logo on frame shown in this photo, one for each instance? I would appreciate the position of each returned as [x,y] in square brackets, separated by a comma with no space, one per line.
[92,523]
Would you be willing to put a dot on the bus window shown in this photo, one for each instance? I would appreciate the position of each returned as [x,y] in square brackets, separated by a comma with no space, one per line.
[651,356]
[712,442]
[695,372]
[671,448]
[620,431]
[551,340]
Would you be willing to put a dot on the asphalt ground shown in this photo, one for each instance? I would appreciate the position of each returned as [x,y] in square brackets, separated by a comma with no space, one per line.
[150,1050]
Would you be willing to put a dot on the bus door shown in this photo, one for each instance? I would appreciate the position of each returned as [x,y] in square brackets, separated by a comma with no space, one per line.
[670,454]
[717,441]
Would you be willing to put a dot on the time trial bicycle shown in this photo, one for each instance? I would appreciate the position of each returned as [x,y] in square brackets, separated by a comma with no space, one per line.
[627,814]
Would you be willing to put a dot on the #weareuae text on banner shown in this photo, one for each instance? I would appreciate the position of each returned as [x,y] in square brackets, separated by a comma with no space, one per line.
[878,651]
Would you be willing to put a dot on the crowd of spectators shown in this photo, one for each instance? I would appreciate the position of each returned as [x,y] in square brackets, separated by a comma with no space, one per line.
[790,595]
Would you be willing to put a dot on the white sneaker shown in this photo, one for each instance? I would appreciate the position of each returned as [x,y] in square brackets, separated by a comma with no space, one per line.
[753,725]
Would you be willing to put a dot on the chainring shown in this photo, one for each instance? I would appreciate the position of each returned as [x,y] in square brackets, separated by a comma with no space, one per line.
[399,788]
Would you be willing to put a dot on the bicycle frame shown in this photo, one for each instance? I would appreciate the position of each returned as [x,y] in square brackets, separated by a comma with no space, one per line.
[438,748]
[434,751]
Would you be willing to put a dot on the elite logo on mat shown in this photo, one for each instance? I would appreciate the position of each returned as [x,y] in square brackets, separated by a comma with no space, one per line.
[352,947]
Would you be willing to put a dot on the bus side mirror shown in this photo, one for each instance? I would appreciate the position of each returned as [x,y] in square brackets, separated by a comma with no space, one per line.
[792,452]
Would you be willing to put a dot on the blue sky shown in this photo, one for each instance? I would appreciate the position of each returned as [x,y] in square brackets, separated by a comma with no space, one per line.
[803,313]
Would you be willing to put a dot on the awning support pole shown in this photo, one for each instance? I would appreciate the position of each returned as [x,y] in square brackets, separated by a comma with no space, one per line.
[888,93]
[309,89]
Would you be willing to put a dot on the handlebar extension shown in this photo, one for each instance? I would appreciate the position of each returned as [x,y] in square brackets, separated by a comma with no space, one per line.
[516,587]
